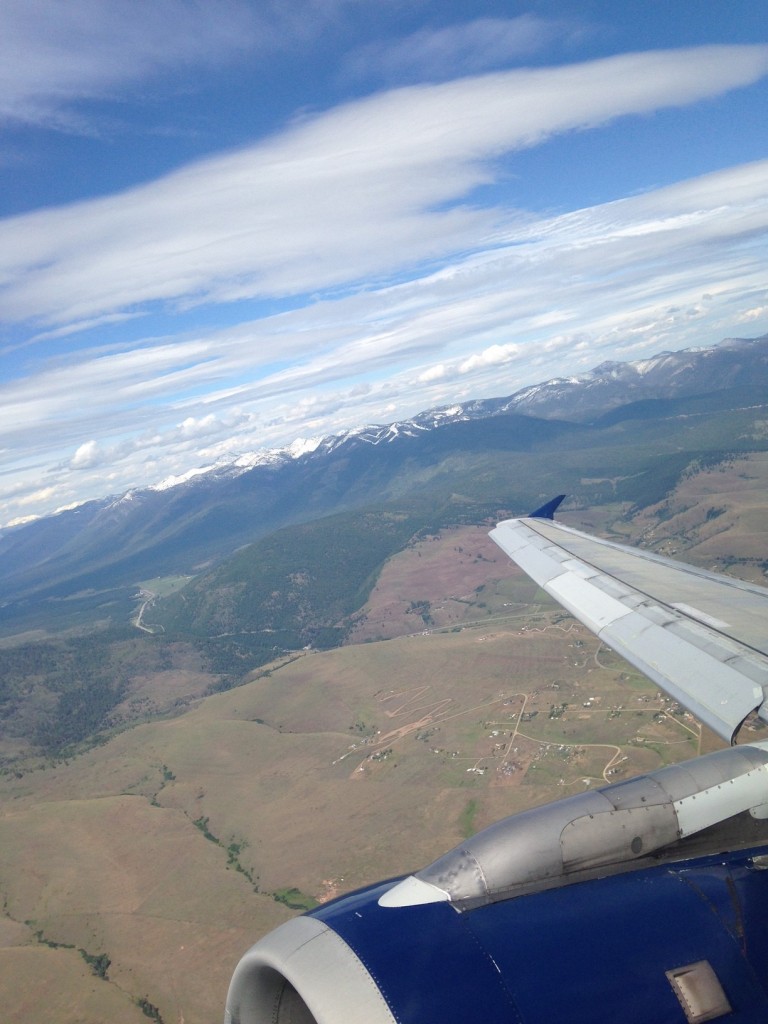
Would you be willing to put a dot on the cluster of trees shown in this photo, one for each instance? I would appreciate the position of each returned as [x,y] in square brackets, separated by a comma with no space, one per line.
[58,692]
[290,590]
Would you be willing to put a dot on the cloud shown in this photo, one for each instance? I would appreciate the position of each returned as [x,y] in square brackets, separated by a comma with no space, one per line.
[750,315]
[496,355]
[53,54]
[86,457]
[200,426]
[405,294]
[36,496]
[338,198]
[432,374]
[461,49]
[628,272]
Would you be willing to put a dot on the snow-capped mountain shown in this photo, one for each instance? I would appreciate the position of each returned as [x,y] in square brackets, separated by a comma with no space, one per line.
[182,523]
[734,362]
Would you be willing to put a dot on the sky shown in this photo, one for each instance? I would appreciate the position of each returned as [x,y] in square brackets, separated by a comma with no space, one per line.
[227,225]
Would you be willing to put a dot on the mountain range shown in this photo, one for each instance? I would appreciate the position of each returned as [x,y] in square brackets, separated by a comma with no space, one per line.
[442,460]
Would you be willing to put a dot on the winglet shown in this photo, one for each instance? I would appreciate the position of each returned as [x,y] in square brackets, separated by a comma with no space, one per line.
[548,511]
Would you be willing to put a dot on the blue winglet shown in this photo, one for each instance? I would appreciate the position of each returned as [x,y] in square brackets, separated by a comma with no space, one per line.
[548,511]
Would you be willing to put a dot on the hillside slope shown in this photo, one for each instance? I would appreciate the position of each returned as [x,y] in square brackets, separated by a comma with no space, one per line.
[97,549]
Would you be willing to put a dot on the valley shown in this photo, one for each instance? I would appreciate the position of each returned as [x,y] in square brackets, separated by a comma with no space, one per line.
[325,771]
[317,777]
[344,699]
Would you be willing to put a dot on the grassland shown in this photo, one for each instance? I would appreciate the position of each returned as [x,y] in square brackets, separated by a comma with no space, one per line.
[462,695]
[59,694]
[327,773]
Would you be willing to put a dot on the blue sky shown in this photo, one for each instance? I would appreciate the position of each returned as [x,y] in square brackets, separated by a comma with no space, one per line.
[227,224]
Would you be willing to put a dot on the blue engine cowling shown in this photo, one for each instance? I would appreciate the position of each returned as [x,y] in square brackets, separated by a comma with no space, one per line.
[677,941]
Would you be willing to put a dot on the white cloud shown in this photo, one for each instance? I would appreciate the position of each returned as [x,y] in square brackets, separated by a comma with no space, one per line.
[572,288]
[54,53]
[478,302]
[496,355]
[86,457]
[339,198]
[431,374]
[37,496]
[200,427]
[432,54]
[750,315]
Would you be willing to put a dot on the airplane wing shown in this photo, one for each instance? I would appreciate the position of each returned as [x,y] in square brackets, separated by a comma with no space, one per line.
[702,637]
[641,900]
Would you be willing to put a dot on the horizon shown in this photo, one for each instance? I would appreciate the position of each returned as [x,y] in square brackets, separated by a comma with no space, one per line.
[302,445]
[228,228]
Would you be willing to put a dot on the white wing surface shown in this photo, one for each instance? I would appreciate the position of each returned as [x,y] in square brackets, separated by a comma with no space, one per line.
[701,637]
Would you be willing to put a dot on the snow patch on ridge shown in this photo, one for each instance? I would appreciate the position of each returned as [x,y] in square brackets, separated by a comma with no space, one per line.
[555,398]
[174,481]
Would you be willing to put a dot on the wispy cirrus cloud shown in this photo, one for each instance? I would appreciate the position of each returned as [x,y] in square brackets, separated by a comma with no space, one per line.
[615,281]
[339,197]
[54,54]
[466,48]
[398,289]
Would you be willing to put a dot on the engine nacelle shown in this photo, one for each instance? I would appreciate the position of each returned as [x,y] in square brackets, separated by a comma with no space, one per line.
[586,910]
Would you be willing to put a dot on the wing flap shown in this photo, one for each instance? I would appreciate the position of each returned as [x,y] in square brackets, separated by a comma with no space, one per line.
[701,637]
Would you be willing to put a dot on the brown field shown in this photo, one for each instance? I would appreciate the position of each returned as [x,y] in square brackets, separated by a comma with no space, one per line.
[326,773]
[359,768]
[715,518]
[450,573]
